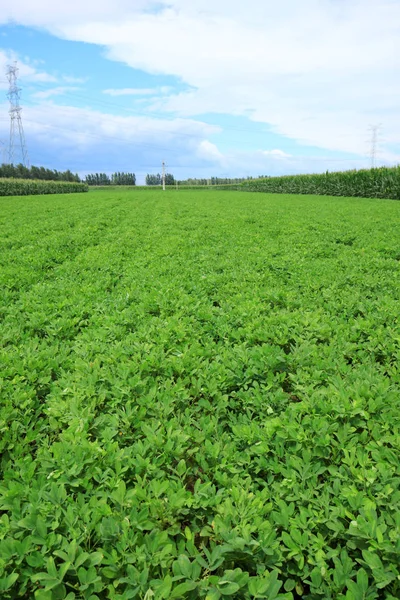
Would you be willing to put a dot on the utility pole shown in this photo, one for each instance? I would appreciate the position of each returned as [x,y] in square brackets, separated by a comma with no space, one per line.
[17,147]
[375,129]
[163,176]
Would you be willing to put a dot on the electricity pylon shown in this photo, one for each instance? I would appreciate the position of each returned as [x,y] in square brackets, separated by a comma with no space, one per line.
[375,130]
[17,151]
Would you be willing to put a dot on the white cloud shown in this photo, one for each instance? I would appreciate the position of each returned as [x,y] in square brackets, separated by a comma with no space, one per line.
[27,70]
[70,79]
[57,16]
[85,140]
[137,91]
[317,71]
[56,91]
[276,153]
[87,125]
[208,151]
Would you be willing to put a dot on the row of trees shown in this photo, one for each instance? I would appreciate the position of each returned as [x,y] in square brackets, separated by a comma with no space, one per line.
[22,172]
[119,178]
[157,179]
[216,180]
[115,179]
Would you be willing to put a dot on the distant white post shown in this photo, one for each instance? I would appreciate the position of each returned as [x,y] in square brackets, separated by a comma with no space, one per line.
[163,176]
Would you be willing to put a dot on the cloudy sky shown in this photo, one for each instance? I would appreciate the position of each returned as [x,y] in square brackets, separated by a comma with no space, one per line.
[213,87]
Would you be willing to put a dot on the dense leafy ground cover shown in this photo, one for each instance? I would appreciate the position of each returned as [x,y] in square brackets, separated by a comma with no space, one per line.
[199,397]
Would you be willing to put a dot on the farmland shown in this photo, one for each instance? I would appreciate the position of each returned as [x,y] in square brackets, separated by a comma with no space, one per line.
[199,396]
[382,182]
[29,187]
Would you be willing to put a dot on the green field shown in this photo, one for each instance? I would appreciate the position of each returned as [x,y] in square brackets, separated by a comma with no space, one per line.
[199,396]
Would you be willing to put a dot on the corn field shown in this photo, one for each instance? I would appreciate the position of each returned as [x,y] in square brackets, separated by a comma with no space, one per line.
[28,187]
[383,182]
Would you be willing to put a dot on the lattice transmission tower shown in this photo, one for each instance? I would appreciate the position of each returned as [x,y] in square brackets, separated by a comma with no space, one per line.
[375,130]
[17,150]
[3,153]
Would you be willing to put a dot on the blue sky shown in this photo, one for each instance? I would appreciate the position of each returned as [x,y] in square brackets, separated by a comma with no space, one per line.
[213,88]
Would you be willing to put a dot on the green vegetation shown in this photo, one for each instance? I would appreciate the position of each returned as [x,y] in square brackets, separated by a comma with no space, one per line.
[373,183]
[41,173]
[200,397]
[157,179]
[115,179]
[29,187]
[215,181]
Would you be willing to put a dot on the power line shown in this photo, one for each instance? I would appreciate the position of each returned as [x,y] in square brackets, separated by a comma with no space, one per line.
[17,147]
[129,111]
[132,111]
[179,134]
[174,133]
[164,148]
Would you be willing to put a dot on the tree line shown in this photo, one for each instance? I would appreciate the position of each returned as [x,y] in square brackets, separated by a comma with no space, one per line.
[157,179]
[9,171]
[40,173]
[115,179]
[118,178]
[216,180]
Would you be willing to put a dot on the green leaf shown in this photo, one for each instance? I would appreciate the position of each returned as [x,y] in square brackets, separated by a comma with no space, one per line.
[81,559]
[7,582]
[372,560]
[41,527]
[213,594]
[290,584]
[185,566]
[43,595]
[227,588]
[63,570]
[96,558]
[51,568]
[316,577]
[181,467]
[362,581]
[182,588]
[119,494]
[48,581]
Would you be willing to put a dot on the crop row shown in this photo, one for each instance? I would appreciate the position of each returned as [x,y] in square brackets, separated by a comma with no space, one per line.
[372,183]
[28,187]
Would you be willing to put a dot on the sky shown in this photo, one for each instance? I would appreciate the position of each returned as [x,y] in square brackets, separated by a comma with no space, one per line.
[211,87]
